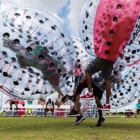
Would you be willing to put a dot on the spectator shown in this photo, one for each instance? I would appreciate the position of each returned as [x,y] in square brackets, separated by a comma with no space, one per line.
[137,108]
[49,107]
[16,102]
[58,100]
[41,101]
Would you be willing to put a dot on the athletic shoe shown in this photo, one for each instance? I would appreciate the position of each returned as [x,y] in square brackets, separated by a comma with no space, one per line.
[105,107]
[79,119]
[76,119]
[73,113]
[87,96]
[72,98]
[100,122]
[68,97]
[64,98]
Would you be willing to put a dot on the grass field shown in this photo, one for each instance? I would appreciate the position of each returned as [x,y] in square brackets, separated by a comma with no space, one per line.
[37,128]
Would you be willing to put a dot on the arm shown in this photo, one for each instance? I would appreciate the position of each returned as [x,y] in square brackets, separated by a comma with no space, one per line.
[56,101]
[39,101]
[7,101]
[60,92]
[43,102]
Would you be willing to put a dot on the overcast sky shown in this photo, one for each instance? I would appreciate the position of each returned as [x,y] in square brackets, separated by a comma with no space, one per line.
[68,11]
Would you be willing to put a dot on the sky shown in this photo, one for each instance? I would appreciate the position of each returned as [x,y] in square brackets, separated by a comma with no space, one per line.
[67,11]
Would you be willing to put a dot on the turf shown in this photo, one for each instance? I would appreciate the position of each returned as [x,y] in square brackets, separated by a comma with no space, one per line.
[37,128]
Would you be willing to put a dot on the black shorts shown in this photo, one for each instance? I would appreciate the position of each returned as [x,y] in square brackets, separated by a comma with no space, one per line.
[96,90]
[13,102]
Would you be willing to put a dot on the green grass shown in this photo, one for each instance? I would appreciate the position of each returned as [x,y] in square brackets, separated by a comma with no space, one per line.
[37,128]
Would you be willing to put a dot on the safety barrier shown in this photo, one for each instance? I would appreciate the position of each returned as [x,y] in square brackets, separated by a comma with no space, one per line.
[36,111]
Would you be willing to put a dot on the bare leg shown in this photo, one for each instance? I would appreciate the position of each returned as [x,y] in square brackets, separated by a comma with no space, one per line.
[45,113]
[52,113]
[10,105]
[136,112]
[89,81]
[108,90]
[98,101]
[74,90]
[76,104]
[16,104]
[60,92]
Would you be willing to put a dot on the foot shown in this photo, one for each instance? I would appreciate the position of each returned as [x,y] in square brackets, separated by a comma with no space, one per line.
[73,113]
[79,119]
[100,122]
[72,98]
[64,98]
[105,107]
[87,96]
